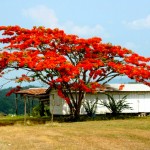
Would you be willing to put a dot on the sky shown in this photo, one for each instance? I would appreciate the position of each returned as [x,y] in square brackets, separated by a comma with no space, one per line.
[120,22]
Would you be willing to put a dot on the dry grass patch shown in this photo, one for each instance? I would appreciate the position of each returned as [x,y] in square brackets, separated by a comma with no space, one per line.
[132,134]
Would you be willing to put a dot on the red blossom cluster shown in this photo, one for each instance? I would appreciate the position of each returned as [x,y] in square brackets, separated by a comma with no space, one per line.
[13,90]
[62,95]
[24,78]
[121,87]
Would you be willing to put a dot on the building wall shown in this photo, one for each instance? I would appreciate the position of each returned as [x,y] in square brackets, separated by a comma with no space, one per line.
[139,101]
[58,105]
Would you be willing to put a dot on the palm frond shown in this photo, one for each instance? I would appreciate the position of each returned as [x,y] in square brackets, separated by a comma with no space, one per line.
[115,106]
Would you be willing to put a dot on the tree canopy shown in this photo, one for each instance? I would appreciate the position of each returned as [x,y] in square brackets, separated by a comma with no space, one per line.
[68,63]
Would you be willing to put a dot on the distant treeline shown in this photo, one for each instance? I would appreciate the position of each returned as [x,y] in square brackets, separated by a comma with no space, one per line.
[7,103]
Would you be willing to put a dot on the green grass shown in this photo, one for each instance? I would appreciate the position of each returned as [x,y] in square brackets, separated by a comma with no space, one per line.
[11,120]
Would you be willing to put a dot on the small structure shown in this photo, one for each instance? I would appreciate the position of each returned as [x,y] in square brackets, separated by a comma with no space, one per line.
[31,94]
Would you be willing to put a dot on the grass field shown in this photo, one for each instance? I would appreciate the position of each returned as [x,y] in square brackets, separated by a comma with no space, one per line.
[128,134]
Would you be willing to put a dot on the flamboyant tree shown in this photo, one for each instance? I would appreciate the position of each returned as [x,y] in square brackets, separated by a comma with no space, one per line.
[70,64]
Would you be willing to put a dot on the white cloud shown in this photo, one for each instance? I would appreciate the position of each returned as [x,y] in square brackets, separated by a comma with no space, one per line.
[84,31]
[47,17]
[139,23]
[42,15]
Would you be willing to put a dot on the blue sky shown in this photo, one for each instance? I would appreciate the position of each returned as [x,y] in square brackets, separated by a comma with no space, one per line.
[121,22]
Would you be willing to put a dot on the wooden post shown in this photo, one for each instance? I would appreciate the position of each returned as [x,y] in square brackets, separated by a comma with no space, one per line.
[25,109]
[32,105]
[49,105]
[16,104]
[29,111]
[52,110]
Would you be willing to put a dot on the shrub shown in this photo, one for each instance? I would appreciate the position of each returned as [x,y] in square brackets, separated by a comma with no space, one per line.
[90,107]
[41,110]
[115,106]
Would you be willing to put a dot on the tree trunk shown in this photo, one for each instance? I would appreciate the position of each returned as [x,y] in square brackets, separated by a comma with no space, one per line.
[77,113]
[74,112]
[75,107]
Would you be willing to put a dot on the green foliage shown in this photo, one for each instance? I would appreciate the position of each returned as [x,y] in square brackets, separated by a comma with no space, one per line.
[115,106]
[7,103]
[41,110]
[90,107]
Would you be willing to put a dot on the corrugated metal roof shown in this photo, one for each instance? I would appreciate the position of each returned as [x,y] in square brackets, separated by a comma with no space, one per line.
[128,87]
[109,87]
[33,91]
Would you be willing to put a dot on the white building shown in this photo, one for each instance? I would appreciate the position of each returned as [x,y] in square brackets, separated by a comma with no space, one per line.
[138,95]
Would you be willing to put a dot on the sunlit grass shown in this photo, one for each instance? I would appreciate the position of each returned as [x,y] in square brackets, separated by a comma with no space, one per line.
[128,134]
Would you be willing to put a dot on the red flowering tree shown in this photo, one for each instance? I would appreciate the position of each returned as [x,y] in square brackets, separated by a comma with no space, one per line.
[70,64]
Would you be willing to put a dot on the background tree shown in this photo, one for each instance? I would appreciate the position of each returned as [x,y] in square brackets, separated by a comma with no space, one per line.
[7,103]
[68,63]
